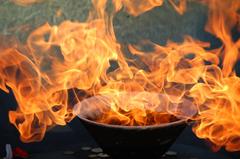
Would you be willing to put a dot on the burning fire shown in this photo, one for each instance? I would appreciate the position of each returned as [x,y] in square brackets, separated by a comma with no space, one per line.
[73,62]
[26,2]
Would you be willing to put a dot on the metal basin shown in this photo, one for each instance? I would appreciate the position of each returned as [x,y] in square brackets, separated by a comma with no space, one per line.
[134,141]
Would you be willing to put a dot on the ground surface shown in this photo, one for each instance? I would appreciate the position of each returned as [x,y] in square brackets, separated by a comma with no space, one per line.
[158,25]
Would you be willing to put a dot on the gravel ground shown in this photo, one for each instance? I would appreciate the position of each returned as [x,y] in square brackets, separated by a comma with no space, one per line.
[158,25]
[20,21]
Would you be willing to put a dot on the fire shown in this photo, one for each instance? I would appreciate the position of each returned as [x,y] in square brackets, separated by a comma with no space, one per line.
[26,2]
[135,7]
[140,109]
[81,65]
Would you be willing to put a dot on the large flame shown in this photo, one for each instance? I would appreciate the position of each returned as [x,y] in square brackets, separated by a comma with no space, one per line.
[74,62]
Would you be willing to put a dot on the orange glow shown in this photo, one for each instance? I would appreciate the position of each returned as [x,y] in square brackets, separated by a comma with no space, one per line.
[223,17]
[176,81]
[126,108]
[26,2]
[181,7]
[135,7]
[217,98]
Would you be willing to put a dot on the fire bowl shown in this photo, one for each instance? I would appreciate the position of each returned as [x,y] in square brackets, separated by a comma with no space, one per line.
[134,141]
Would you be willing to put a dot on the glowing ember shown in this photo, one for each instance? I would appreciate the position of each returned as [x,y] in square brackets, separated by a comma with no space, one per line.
[180,80]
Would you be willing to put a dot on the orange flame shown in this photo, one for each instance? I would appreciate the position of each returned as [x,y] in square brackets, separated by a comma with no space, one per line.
[135,7]
[177,81]
[181,7]
[26,2]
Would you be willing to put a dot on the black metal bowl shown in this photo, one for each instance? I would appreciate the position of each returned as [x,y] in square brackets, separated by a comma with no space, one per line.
[134,141]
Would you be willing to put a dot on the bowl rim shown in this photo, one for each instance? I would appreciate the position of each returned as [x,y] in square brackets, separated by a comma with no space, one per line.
[165,125]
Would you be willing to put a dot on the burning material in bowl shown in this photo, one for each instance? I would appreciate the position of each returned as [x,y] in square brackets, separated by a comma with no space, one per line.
[132,124]
[134,109]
